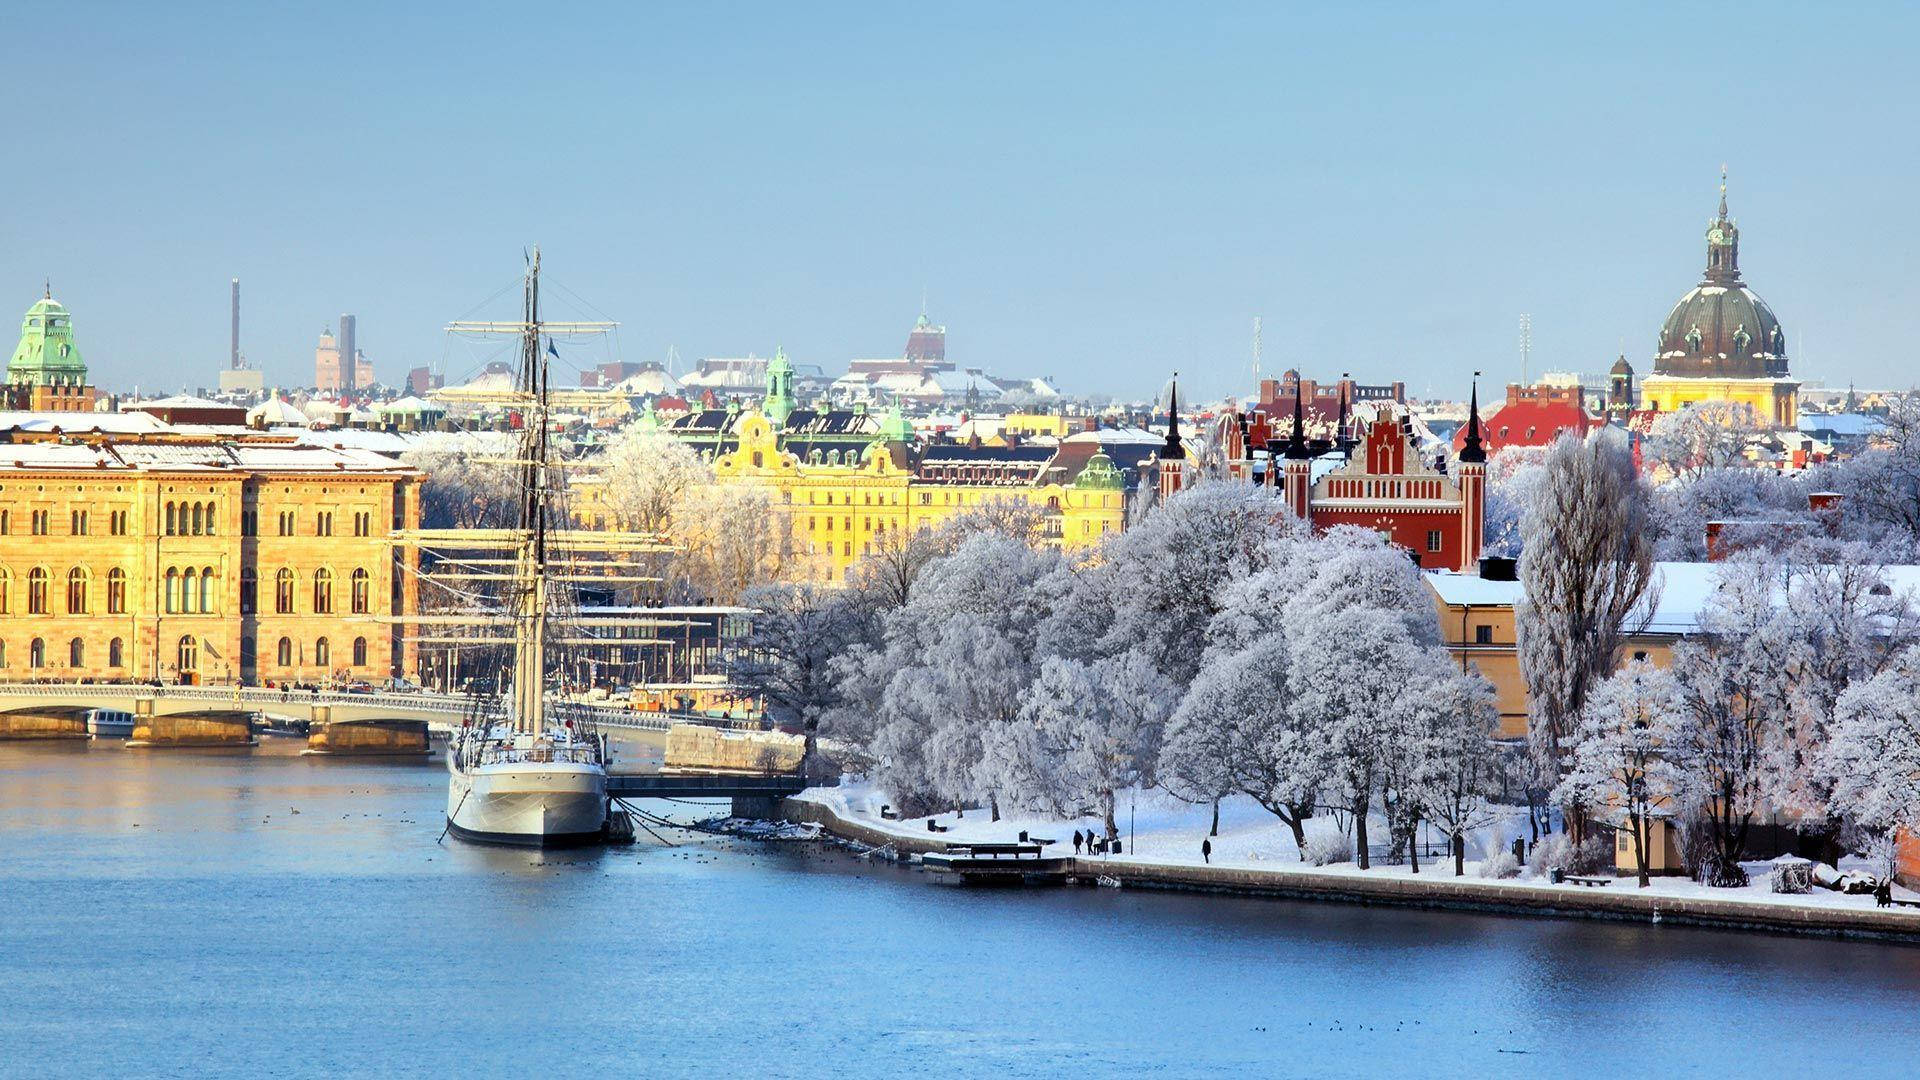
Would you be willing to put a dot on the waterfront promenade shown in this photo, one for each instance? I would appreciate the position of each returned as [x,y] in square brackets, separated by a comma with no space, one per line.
[1251,861]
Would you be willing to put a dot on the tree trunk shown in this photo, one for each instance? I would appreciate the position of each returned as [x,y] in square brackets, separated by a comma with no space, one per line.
[1459,844]
[1299,835]
[993,806]
[1215,831]
[1106,806]
[1413,844]
[1641,838]
[1360,836]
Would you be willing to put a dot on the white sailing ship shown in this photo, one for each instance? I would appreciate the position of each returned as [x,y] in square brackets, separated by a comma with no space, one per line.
[522,770]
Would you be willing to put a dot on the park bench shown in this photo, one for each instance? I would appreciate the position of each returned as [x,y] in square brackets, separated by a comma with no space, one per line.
[1897,902]
[934,826]
[1589,882]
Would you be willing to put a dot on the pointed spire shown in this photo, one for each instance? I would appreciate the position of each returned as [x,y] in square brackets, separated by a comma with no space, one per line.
[1471,450]
[1340,437]
[1723,192]
[1297,444]
[1173,451]
[49,293]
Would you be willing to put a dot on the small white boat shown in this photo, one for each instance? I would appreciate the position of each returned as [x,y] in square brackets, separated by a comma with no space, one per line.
[109,723]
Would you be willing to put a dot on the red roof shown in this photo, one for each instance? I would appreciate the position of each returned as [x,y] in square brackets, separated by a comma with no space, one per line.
[1528,423]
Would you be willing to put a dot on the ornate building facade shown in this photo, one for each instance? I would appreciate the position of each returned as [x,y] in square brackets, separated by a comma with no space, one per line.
[1722,343]
[216,561]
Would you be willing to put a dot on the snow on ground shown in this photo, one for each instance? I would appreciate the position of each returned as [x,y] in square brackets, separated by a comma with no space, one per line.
[1169,833]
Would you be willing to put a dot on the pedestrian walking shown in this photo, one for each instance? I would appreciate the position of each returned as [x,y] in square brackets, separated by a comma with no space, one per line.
[1206,851]
[1076,841]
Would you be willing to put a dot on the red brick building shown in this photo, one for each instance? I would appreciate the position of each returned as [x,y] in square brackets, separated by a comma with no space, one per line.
[1370,474]
[1533,416]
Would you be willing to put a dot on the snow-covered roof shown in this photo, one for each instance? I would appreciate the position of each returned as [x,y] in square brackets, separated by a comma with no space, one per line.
[175,457]
[127,423]
[1684,589]
[275,410]
[177,401]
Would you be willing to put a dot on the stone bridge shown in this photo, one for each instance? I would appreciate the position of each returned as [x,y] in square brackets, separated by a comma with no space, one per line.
[221,715]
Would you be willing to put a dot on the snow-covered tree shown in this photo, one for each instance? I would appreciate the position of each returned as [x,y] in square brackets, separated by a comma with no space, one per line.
[468,481]
[1874,758]
[1083,733]
[1882,483]
[1513,475]
[786,658]
[1708,435]
[1617,758]
[1586,566]
[1683,507]
[647,477]
[1457,769]
[729,538]
[1732,696]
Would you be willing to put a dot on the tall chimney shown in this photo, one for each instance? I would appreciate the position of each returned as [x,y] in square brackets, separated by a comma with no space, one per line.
[349,356]
[233,358]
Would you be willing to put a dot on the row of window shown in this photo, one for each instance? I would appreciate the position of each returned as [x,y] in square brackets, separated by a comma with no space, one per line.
[185,519]
[187,653]
[191,591]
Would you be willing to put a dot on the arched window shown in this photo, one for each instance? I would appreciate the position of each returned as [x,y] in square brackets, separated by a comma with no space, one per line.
[76,591]
[116,653]
[6,592]
[362,590]
[170,520]
[283,655]
[322,652]
[188,591]
[76,653]
[359,652]
[172,590]
[199,522]
[323,591]
[188,653]
[36,653]
[206,589]
[210,519]
[249,590]
[283,591]
[37,591]
[116,591]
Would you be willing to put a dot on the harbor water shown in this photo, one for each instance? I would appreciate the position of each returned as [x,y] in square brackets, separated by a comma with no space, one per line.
[256,913]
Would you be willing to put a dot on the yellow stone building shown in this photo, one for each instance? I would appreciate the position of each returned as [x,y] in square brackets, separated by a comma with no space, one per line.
[842,502]
[218,561]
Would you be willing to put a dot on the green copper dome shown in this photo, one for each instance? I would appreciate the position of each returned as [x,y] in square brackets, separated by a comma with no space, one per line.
[1099,474]
[46,355]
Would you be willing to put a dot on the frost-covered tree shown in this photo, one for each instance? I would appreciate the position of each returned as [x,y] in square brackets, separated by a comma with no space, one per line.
[1513,475]
[1882,483]
[1083,733]
[1586,566]
[1709,435]
[953,661]
[1456,775]
[786,658]
[1732,696]
[1617,758]
[646,477]
[469,481]
[729,538]
[1156,586]
[1874,758]
[1683,507]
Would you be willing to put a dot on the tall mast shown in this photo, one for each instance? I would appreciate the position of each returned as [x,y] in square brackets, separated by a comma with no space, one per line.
[530,642]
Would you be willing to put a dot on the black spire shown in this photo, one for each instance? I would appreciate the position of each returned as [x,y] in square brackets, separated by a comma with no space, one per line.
[1297,445]
[1470,449]
[1173,451]
[1340,436]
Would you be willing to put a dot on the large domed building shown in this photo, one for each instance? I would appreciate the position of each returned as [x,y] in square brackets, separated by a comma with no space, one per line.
[1721,342]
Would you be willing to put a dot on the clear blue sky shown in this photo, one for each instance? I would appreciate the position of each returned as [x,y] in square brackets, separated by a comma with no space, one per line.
[1101,193]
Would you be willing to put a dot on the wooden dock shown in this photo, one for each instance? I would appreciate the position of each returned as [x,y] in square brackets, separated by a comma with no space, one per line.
[1023,863]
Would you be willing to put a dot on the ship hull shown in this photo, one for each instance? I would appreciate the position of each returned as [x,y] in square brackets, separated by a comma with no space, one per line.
[528,804]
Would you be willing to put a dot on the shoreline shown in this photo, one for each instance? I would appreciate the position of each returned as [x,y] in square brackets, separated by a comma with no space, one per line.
[1894,926]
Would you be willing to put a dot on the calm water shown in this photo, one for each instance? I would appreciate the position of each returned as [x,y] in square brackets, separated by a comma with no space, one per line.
[165,913]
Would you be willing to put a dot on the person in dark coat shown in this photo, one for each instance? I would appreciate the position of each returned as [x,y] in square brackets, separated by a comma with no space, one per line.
[1076,841]
[1206,851]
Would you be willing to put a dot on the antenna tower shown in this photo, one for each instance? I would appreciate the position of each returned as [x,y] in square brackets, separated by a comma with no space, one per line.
[1256,353]
[1526,346]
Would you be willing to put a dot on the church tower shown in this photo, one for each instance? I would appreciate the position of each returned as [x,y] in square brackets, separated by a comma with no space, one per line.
[1297,481]
[1172,470]
[1472,478]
